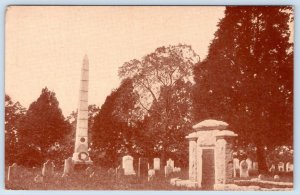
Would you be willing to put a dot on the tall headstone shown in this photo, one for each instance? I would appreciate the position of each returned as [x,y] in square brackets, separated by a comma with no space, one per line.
[250,163]
[48,169]
[143,168]
[289,167]
[156,163]
[81,154]
[13,172]
[170,163]
[68,166]
[281,166]
[236,166]
[127,165]
[244,171]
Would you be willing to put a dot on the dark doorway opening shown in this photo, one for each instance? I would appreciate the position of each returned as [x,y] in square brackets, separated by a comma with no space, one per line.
[208,169]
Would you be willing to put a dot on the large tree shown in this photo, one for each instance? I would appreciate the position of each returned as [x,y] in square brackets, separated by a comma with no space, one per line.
[114,129]
[13,115]
[156,78]
[247,77]
[43,130]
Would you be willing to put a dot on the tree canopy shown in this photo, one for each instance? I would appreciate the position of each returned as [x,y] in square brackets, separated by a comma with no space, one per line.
[247,77]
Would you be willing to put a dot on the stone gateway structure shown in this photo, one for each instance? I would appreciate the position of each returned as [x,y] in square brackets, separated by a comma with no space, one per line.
[210,155]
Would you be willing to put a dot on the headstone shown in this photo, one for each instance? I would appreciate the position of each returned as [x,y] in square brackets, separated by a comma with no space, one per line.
[176,169]
[143,168]
[289,167]
[170,163]
[281,166]
[260,177]
[127,165]
[236,166]
[151,174]
[48,169]
[13,172]
[68,166]
[244,172]
[168,170]
[249,162]
[38,179]
[276,177]
[272,168]
[119,172]
[255,166]
[156,163]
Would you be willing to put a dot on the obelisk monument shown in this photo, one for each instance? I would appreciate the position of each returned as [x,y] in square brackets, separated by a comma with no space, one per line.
[81,154]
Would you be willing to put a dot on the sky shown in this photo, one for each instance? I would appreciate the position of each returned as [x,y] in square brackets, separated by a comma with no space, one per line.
[45,45]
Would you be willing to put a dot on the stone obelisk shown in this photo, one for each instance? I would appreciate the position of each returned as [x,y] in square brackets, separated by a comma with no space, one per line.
[81,154]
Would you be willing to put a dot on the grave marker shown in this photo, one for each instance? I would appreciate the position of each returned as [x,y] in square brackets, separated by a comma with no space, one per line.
[289,167]
[156,163]
[281,166]
[244,171]
[127,165]
[48,169]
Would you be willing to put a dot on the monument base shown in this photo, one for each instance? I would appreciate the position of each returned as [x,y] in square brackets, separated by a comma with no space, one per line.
[81,160]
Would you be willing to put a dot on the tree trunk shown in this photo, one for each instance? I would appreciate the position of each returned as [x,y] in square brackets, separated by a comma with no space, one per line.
[261,158]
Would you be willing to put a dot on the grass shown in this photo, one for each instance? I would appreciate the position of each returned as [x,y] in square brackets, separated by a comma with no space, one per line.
[79,180]
[102,180]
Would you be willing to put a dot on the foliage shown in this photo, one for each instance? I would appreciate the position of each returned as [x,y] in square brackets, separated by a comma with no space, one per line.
[114,132]
[162,80]
[43,130]
[247,77]
[13,114]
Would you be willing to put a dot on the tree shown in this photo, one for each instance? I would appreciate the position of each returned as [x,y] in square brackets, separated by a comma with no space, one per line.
[154,78]
[247,77]
[172,124]
[114,129]
[44,129]
[13,114]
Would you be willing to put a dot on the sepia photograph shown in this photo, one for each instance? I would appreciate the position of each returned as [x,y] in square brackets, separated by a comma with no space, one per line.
[171,98]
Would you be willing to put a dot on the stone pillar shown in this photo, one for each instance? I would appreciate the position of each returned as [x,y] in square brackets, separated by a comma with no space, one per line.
[193,159]
[223,157]
[199,166]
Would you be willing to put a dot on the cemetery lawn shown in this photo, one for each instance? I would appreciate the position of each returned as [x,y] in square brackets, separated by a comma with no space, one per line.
[101,180]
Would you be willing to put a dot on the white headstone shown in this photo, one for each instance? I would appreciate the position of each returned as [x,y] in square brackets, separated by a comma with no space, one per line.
[68,166]
[170,163]
[281,166]
[244,171]
[127,165]
[249,162]
[176,169]
[48,169]
[156,163]
[236,166]
[289,167]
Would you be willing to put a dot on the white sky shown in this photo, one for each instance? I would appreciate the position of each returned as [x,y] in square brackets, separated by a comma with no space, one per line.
[45,46]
